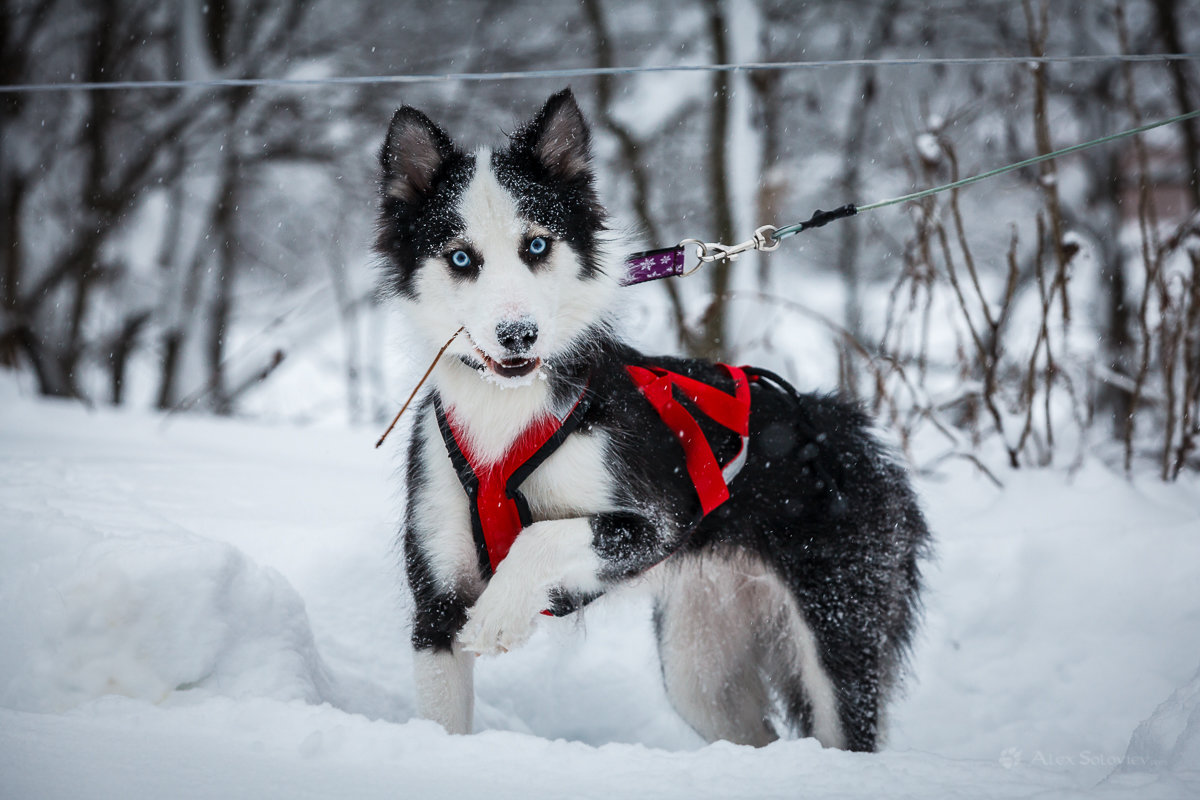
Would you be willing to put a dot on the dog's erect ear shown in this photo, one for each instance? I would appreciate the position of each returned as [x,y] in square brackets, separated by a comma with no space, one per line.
[558,139]
[412,154]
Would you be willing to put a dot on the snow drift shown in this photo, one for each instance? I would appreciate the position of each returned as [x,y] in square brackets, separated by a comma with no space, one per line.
[200,608]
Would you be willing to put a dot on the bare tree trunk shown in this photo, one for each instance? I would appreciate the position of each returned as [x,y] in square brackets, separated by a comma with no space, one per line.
[1168,29]
[221,306]
[221,32]
[175,302]
[120,349]
[12,196]
[711,343]
[179,304]
[631,160]
[1038,26]
[864,95]
[172,352]
[1151,252]
[629,146]
[99,202]
[12,189]
[1118,339]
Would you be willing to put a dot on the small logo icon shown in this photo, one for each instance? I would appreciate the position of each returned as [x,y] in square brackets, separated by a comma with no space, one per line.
[1010,757]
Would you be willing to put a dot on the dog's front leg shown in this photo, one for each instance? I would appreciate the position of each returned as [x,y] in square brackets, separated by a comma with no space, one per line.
[445,684]
[443,674]
[546,555]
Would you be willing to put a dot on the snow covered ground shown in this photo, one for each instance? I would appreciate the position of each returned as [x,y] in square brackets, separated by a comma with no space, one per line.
[203,608]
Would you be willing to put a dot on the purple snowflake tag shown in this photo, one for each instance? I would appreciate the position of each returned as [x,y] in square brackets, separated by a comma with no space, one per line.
[653,264]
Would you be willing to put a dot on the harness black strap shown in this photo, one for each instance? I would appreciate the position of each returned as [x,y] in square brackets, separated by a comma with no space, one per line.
[569,425]
[470,484]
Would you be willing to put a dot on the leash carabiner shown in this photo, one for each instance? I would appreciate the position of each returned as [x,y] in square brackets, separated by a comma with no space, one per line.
[764,241]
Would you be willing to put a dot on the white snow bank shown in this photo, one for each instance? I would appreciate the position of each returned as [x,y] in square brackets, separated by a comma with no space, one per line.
[145,615]
[1170,738]
[212,609]
[256,749]
[1059,613]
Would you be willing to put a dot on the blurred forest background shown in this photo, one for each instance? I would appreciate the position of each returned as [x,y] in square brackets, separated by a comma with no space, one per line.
[207,249]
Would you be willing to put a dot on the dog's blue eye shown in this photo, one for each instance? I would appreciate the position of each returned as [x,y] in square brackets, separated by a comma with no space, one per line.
[460,259]
[537,246]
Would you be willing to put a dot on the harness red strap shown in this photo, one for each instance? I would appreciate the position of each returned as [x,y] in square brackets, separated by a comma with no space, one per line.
[730,411]
[499,510]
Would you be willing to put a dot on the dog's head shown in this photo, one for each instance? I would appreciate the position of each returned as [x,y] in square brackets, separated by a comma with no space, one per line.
[505,243]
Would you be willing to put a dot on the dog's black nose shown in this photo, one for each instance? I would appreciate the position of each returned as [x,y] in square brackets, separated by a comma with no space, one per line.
[517,335]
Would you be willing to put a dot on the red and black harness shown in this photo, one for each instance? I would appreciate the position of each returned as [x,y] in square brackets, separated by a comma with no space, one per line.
[499,511]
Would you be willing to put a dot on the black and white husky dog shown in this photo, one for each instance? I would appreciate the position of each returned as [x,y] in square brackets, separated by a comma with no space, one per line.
[552,462]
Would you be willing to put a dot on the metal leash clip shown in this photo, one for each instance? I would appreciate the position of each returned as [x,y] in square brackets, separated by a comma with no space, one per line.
[763,241]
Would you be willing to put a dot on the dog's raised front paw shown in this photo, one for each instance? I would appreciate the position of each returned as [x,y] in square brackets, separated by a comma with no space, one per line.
[499,621]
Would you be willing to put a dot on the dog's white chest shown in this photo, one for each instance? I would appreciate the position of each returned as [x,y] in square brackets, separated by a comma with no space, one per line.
[574,481]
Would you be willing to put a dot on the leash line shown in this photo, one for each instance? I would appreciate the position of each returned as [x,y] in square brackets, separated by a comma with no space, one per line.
[580,72]
[768,237]
[1075,148]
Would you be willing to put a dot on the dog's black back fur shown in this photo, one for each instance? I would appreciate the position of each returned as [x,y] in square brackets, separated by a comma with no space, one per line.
[818,499]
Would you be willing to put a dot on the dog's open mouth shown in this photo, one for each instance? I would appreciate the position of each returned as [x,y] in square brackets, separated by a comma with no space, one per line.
[509,367]
[516,367]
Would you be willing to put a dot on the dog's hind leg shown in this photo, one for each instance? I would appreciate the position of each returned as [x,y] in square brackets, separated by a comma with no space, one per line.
[795,670]
[710,653]
[732,640]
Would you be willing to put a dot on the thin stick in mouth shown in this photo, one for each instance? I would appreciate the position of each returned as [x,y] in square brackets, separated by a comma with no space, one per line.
[417,388]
